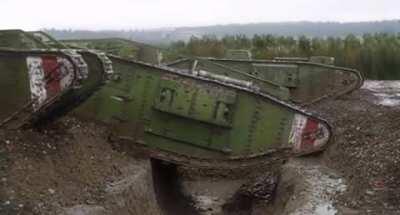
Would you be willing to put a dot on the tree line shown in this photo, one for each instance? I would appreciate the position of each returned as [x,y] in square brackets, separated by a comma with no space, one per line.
[377,56]
[164,36]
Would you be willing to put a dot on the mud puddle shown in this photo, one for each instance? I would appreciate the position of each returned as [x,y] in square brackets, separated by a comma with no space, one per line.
[210,196]
[308,187]
[387,92]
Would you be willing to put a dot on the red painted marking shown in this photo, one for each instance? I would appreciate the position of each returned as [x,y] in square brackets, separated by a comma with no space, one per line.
[52,75]
[378,184]
[309,134]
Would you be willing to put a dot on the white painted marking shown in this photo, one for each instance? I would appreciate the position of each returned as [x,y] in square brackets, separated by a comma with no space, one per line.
[66,73]
[296,132]
[322,137]
[37,81]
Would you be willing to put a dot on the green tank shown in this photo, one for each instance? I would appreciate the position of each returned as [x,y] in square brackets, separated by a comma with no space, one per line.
[45,83]
[301,82]
[122,47]
[18,39]
[192,118]
[204,117]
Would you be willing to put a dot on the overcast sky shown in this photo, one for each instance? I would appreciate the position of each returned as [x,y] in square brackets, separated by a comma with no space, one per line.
[136,14]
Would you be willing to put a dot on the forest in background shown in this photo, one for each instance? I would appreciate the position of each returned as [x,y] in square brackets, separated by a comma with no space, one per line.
[371,47]
[377,56]
[294,29]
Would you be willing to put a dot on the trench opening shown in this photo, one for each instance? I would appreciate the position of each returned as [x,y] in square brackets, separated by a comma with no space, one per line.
[173,200]
[305,185]
[239,205]
[168,190]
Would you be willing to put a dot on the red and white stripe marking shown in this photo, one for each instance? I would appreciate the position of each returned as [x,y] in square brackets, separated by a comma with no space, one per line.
[49,76]
[307,135]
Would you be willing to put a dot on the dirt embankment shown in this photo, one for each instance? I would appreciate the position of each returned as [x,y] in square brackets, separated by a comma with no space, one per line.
[70,168]
[366,150]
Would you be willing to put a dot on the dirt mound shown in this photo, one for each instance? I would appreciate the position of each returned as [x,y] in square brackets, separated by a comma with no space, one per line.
[366,149]
[69,166]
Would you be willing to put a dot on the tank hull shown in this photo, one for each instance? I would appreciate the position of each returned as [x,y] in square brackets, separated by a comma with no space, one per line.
[187,115]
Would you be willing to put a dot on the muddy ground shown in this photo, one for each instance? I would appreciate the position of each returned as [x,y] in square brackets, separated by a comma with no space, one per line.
[69,167]
[366,149]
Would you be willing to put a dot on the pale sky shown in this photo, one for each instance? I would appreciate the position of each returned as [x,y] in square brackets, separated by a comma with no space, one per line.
[136,14]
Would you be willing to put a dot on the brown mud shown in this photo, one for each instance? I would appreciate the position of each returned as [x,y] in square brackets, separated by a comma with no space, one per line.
[70,168]
[366,149]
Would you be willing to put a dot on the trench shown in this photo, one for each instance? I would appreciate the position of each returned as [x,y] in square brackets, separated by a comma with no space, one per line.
[176,195]
[168,189]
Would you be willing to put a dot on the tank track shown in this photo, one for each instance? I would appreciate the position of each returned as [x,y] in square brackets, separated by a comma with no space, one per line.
[275,156]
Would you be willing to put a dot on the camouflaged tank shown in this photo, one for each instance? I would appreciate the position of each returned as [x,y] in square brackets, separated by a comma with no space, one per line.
[191,118]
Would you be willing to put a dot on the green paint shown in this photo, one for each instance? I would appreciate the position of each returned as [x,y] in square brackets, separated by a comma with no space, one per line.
[172,111]
[186,115]
[299,82]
